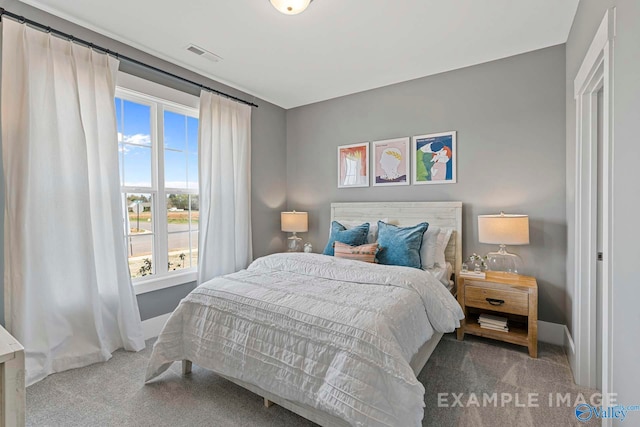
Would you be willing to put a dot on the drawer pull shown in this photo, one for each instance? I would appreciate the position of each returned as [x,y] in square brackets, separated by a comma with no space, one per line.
[494,301]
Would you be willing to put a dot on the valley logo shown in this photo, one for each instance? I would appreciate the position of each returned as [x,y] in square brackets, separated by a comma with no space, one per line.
[584,412]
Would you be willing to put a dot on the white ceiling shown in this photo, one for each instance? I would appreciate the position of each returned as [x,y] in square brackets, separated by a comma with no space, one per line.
[334,48]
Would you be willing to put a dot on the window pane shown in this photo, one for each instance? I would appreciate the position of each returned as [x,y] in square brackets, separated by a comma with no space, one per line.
[121,163]
[195,211]
[192,152]
[140,249]
[192,167]
[137,165]
[182,219]
[134,136]
[175,131]
[179,251]
[192,135]
[139,214]
[118,102]
[136,123]
[144,145]
[179,216]
[175,169]
[183,250]
[194,249]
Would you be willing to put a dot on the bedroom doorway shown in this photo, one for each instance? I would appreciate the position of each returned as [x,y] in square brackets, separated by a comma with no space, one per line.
[593,92]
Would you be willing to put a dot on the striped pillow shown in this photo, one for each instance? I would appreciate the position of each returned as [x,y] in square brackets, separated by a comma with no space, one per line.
[366,253]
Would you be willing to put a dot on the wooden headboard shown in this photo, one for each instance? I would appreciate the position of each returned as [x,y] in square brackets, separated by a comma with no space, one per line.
[442,214]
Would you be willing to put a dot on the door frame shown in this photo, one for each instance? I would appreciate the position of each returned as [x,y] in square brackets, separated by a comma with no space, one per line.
[595,73]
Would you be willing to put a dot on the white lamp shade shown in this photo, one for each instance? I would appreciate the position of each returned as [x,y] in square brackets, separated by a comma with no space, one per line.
[503,229]
[290,7]
[294,222]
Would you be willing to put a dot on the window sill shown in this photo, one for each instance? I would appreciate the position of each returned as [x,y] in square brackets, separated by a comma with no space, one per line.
[166,281]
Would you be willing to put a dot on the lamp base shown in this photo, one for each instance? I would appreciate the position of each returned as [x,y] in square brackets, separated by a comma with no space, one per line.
[294,243]
[504,261]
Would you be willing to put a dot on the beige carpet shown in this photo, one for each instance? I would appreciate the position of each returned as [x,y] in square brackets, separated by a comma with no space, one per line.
[113,393]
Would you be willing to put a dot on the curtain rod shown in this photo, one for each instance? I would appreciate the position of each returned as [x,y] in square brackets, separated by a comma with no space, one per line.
[104,50]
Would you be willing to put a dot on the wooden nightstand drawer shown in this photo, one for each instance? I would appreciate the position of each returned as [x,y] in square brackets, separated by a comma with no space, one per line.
[504,301]
[507,295]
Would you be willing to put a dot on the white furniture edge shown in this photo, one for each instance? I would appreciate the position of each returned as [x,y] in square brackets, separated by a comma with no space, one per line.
[12,381]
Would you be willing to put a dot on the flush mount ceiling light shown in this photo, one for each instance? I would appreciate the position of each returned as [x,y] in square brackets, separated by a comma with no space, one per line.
[290,7]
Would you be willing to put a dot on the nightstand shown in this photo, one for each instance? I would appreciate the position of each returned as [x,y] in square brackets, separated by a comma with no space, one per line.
[502,294]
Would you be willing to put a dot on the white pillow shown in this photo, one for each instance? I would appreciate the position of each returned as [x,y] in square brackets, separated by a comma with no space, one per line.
[442,274]
[429,247]
[372,237]
[443,241]
[434,244]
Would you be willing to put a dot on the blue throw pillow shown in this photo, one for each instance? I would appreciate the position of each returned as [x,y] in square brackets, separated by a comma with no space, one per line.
[400,245]
[355,236]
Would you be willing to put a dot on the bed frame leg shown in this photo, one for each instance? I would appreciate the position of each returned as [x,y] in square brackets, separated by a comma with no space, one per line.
[186,367]
[267,403]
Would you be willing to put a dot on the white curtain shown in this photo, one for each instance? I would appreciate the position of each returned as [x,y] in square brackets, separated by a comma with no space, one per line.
[68,295]
[224,152]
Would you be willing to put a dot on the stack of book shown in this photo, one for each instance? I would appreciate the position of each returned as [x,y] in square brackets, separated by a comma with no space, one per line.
[473,274]
[496,323]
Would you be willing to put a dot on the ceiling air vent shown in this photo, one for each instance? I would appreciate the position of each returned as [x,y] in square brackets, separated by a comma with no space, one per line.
[203,53]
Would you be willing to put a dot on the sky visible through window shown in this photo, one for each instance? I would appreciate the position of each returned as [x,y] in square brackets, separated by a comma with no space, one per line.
[180,143]
[176,141]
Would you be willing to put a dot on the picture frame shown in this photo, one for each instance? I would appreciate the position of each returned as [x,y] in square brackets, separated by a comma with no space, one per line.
[390,160]
[434,158]
[353,165]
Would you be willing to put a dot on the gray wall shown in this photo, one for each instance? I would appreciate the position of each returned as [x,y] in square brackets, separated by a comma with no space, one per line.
[626,204]
[626,174]
[509,115]
[268,153]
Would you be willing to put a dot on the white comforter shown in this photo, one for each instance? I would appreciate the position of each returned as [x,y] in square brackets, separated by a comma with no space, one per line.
[330,333]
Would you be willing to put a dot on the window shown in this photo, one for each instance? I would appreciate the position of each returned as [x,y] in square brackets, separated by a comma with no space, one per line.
[158,153]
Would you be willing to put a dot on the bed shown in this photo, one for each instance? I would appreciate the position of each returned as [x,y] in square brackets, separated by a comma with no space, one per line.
[339,342]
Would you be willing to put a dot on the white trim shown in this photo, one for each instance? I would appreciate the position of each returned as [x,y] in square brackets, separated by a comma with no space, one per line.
[151,328]
[146,88]
[569,345]
[165,281]
[159,98]
[552,333]
[605,33]
[595,74]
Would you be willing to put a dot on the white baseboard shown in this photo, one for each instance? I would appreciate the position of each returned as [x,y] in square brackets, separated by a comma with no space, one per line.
[568,341]
[570,349]
[553,333]
[152,327]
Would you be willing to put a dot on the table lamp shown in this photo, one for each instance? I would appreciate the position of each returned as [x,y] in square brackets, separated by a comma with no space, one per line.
[294,222]
[504,229]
